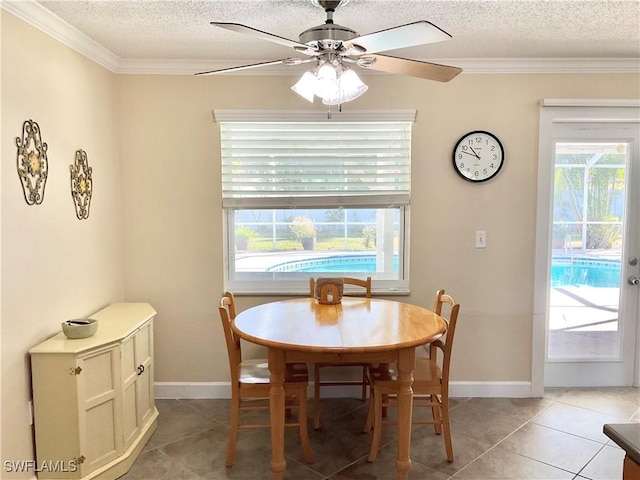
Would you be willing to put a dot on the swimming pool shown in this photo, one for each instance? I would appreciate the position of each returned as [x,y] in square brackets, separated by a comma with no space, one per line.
[584,271]
[333,264]
[564,271]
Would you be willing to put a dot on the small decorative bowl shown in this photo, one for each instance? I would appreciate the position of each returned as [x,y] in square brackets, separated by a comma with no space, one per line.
[80,327]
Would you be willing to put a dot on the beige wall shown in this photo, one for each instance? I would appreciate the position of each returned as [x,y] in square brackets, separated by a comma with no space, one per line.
[171,177]
[54,266]
[154,148]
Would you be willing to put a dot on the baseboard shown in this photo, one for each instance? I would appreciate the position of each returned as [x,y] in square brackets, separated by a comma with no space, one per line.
[193,390]
[491,389]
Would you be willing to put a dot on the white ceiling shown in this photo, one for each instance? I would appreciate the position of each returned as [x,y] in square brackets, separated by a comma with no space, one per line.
[177,32]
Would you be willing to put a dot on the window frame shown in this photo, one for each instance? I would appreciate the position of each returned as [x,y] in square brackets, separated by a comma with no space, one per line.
[296,283]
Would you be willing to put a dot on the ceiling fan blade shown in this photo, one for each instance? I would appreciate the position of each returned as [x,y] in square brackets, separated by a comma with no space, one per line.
[290,61]
[237,27]
[402,36]
[413,68]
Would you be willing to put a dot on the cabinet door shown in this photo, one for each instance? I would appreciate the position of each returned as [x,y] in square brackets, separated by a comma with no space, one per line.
[99,407]
[137,378]
[144,359]
[130,425]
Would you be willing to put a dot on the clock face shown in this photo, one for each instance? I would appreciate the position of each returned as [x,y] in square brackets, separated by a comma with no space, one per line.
[478,156]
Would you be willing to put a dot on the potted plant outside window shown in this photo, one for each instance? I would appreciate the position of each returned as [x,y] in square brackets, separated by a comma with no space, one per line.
[304,230]
[243,236]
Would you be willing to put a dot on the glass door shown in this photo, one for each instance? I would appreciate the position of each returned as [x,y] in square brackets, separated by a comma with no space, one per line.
[591,335]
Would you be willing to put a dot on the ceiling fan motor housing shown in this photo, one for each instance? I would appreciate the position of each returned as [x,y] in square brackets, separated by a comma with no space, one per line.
[327,36]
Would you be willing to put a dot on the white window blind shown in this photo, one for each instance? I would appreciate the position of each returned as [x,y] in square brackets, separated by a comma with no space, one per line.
[301,164]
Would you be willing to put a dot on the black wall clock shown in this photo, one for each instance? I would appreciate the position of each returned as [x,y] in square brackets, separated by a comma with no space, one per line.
[478,156]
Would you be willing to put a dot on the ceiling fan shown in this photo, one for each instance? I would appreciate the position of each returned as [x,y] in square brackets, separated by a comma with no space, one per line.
[333,47]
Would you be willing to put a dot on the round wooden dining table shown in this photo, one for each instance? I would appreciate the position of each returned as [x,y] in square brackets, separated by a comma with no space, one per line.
[357,330]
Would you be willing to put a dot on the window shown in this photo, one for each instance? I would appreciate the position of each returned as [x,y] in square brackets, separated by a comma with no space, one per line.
[304,195]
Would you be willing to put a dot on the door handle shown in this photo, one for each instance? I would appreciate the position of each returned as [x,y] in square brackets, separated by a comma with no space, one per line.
[633,280]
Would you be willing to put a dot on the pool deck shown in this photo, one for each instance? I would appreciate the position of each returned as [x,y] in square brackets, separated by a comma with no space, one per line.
[582,307]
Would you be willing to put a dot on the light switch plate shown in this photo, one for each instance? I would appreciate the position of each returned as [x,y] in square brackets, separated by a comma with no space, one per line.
[481,239]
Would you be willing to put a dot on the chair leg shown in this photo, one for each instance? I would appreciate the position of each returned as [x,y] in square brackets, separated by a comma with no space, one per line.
[233,429]
[364,384]
[436,411]
[370,412]
[448,445]
[377,425]
[302,419]
[316,397]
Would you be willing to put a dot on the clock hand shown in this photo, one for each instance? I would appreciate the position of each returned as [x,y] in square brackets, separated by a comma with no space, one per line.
[474,152]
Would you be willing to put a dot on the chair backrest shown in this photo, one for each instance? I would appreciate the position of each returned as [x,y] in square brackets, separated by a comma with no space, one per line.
[366,284]
[446,345]
[230,301]
[227,310]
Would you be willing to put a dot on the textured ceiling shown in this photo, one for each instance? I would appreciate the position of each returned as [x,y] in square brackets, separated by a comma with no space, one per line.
[498,29]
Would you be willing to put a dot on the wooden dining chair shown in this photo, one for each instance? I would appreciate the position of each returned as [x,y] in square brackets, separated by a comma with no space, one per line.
[318,383]
[250,380]
[430,383]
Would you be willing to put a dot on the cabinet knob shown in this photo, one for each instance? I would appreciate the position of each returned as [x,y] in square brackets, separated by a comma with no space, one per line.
[140,369]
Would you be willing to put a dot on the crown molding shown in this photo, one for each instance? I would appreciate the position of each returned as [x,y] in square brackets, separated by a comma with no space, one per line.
[547,65]
[475,66]
[39,17]
[44,20]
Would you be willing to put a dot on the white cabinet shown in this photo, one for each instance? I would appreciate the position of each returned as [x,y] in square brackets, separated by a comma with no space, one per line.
[137,375]
[93,397]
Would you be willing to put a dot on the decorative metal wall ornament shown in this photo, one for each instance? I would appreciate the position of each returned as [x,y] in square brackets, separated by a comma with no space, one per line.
[32,163]
[81,184]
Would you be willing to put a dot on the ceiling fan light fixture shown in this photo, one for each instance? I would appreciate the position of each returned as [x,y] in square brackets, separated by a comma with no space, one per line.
[350,87]
[327,72]
[327,82]
[332,82]
[306,86]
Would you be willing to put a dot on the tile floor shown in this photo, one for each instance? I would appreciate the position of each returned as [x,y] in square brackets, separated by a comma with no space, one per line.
[558,436]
